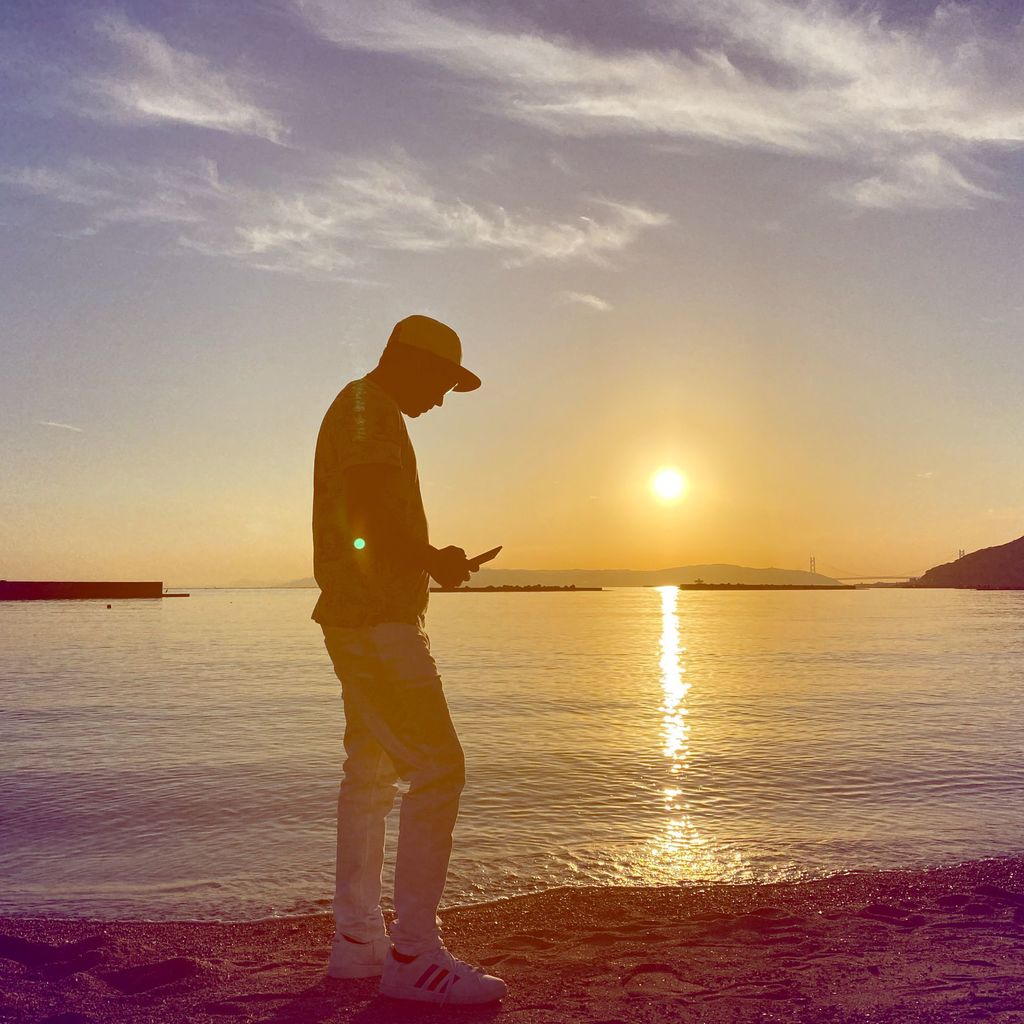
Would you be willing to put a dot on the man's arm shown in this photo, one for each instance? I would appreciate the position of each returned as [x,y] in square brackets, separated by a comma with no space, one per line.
[374,511]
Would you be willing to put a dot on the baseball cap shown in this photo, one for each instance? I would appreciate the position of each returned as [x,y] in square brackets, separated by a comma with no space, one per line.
[432,336]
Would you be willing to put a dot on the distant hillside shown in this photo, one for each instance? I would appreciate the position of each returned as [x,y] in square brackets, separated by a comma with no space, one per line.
[998,567]
[717,573]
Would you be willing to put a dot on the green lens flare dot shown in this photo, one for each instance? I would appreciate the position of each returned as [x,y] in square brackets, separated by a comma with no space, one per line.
[359,543]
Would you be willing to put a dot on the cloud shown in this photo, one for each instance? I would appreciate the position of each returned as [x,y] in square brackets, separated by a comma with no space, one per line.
[561,85]
[921,180]
[585,299]
[151,82]
[908,105]
[107,195]
[327,225]
[62,426]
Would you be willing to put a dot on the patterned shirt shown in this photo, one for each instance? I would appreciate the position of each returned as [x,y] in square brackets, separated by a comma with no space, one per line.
[359,586]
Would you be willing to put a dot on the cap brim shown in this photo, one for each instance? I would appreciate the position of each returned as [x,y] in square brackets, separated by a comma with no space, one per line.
[466,380]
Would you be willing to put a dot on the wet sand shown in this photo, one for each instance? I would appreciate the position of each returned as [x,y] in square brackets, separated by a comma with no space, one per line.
[945,944]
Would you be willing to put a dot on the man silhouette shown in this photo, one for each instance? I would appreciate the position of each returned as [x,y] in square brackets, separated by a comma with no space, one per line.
[372,560]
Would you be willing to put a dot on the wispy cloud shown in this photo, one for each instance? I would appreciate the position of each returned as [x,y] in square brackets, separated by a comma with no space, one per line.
[151,82]
[922,180]
[906,105]
[61,426]
[330,224]
[586,299]
[107,195]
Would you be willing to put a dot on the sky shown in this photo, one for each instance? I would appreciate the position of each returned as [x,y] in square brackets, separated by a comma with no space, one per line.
[773,246]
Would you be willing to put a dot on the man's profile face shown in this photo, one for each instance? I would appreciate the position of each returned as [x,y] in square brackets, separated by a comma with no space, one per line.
[425,381]
[428,395]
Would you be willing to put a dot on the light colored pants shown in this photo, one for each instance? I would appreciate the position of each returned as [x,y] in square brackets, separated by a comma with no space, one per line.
[397,725]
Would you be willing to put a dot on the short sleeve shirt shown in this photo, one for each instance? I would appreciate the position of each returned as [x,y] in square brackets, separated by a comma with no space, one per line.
[359,587]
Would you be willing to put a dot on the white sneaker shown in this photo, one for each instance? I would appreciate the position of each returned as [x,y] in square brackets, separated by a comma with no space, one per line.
[351,959]
[437,977]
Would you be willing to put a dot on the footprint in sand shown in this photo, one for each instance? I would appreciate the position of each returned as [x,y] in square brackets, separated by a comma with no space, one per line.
[982,909]
[996,892]
[528,940]
[769,919]
[953,900]
[656,979]
[887,914]
[54,961]
[132,980]
[773,923]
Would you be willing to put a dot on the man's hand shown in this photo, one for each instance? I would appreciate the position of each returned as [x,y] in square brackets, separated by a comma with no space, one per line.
[448,566]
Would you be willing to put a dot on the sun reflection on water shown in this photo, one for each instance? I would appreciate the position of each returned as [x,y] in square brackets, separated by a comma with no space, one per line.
[681,849]
[672,672]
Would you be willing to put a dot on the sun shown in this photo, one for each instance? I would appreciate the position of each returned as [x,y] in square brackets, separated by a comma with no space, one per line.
[669,484]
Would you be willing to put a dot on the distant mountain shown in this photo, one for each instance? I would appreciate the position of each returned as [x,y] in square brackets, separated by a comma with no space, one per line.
[1001,567]
[717,573]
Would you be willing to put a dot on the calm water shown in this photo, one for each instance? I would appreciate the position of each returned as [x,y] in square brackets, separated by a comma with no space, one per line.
[180,759]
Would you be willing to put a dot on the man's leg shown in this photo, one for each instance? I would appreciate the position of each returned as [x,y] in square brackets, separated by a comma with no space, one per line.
[401,701]
[365,797]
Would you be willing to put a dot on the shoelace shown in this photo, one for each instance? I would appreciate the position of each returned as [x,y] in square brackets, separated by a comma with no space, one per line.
[449,961]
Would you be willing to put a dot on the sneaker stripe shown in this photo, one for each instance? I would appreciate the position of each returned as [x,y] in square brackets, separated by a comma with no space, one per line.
[426,974]
[439,976]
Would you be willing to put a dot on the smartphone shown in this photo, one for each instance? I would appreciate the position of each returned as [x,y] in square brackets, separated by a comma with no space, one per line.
[485,557]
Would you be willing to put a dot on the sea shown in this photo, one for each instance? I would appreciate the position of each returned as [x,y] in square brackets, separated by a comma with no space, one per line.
[179,759]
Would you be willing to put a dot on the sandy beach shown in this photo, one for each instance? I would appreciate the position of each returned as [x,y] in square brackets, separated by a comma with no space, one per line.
[945,944]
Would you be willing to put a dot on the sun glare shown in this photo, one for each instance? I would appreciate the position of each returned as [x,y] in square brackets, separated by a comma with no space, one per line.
[668,484]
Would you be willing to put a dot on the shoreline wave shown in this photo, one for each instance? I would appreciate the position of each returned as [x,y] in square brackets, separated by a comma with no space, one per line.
[323,906]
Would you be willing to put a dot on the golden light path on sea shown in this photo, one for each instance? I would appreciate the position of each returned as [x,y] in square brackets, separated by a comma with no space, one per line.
[682,847]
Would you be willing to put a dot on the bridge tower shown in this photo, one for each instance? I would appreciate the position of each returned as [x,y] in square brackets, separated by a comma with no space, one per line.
[814,564]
